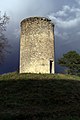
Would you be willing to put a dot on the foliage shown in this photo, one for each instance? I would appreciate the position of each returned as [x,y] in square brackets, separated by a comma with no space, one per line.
[3,40]
[71,60]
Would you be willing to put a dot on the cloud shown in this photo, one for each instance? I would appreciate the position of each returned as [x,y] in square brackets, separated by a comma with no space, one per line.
[66,18]
[63,36]
[33,8]
[20,9]
[63,12]
[78,33]
[16,33]
[78,1]
[67,23]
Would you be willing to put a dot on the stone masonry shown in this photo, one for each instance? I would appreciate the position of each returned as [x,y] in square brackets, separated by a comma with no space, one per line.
[37,46]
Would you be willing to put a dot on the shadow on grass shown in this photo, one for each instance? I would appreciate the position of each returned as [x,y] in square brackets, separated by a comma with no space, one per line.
[40,100]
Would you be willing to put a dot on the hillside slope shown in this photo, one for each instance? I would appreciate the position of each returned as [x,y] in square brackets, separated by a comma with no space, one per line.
[39,97]
[17,76]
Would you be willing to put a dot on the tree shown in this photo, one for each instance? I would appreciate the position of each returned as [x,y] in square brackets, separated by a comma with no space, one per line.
[71,60]
[3,40]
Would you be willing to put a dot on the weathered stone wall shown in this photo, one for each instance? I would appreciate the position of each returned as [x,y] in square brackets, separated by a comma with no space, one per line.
[37,46]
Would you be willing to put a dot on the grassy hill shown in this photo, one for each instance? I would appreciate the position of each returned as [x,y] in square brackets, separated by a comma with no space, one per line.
[39,97]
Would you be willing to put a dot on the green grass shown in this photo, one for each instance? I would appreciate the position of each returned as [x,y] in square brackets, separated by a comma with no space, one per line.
[16,76]
[39,97]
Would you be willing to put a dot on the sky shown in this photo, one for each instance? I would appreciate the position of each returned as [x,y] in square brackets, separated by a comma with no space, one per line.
[65,14]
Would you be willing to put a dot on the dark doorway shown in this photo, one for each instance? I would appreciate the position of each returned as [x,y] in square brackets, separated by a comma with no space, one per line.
[51,66]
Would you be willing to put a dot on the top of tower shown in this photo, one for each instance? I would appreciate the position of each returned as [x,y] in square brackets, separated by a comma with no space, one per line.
[37,18]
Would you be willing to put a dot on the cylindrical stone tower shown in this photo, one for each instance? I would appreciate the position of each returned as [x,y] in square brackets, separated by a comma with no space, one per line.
[37,46]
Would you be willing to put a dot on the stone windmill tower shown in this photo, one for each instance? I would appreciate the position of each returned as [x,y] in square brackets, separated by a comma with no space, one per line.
[37,46]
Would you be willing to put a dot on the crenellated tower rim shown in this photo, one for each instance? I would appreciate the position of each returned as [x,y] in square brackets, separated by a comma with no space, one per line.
[36,19]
